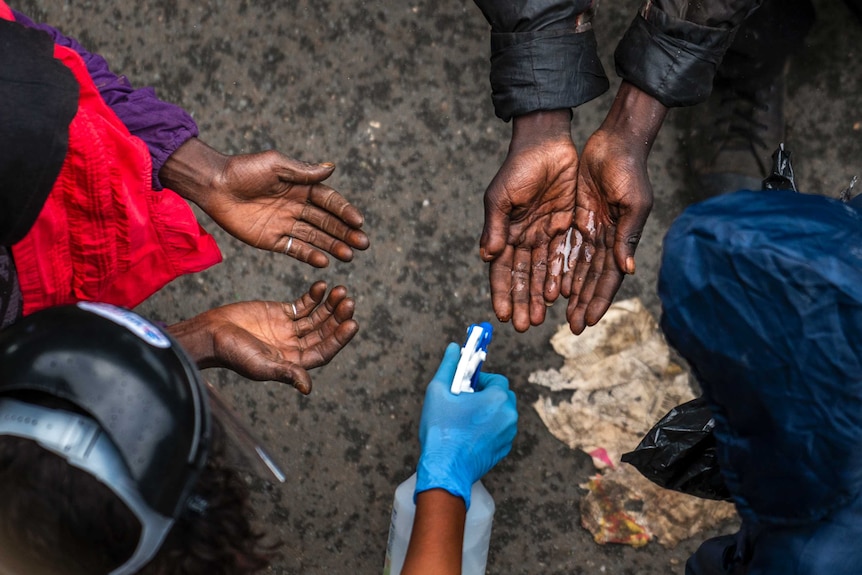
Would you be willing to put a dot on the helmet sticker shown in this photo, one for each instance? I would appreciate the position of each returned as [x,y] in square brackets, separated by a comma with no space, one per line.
[130,320]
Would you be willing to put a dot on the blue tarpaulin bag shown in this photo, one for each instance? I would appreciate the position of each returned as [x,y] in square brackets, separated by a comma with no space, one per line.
[762,294]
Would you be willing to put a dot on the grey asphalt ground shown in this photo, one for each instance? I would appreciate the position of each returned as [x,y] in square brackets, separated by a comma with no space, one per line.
[397,95]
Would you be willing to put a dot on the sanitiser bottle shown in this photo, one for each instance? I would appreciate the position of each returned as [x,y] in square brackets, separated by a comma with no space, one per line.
[480,516]
[477,529]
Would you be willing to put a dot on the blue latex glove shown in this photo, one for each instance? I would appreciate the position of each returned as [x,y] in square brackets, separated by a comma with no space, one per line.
[463,436]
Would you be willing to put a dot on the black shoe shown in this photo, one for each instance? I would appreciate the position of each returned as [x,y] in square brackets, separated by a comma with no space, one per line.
[732,136]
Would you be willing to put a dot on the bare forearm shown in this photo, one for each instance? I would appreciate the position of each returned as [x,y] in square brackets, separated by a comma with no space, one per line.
[438,535]
[635,117]
[191,170]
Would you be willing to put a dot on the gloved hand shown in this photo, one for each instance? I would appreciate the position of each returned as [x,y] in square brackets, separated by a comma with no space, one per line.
[463,436]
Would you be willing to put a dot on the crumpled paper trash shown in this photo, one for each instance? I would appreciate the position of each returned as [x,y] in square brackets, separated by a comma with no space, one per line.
[622,381]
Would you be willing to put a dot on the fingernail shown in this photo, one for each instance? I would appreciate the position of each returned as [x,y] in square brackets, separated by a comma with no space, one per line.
[630,265]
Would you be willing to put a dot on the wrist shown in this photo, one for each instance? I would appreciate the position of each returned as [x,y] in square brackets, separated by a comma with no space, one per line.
[438,499]
[195,336]
[635,118]
[192,169]
[434,473]
[541,126]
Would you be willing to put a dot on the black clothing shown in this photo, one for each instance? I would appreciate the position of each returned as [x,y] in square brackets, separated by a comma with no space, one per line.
[11,302]
[544,54]
[38,99]
[764,44]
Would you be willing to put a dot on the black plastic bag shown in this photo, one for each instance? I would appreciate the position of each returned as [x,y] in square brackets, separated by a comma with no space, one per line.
[679,452]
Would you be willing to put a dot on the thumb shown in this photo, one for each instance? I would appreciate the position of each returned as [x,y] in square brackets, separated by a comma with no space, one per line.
[446,370]
[496,230]
[491,380]
[303,172]
[293,374]
[628,234]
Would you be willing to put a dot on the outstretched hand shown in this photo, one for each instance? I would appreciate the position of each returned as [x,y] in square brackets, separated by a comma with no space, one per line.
[269,201]
[529,202]
[613,201]
[265,340]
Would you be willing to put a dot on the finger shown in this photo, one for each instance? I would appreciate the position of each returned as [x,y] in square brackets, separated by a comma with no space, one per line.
[334,227]
[558,256]
[318,241]
[446,370]
[297,171]
[337,304]
[500,274]
[580,272]
[575,316]
[260,364]
[315,318]
[496,230]
[594,272]
[586,240]
[538,276]
[317,238]
[325,321]
[577,308]
[560,222]
[296,376]
[296,247]
[268,368]
[629,228]
[521,290]
[570,264]
[608,285]
[334,203]
[487,380]
[329,234]
[307,303]
[327,348]
[316,345]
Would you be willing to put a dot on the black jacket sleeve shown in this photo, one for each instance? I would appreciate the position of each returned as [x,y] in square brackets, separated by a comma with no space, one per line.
[673,48]
[543,55]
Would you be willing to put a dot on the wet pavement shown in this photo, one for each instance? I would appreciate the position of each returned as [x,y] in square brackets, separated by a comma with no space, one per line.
[396,94]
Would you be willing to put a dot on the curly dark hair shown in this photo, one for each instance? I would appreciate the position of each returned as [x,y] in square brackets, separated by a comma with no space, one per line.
[55,518]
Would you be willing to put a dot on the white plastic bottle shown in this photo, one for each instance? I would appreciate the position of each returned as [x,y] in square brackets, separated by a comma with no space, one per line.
[477,529]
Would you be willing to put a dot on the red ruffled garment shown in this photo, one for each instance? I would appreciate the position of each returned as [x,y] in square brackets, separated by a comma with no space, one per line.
[104,234]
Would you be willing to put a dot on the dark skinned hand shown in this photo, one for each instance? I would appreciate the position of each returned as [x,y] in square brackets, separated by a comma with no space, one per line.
[613,201]
[529,202]
[269,201]
[265,340]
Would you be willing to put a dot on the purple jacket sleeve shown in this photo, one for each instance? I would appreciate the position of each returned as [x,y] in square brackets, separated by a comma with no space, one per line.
[164,127]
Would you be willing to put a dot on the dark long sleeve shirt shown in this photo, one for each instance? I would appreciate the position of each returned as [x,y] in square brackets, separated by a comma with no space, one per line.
[544,54]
